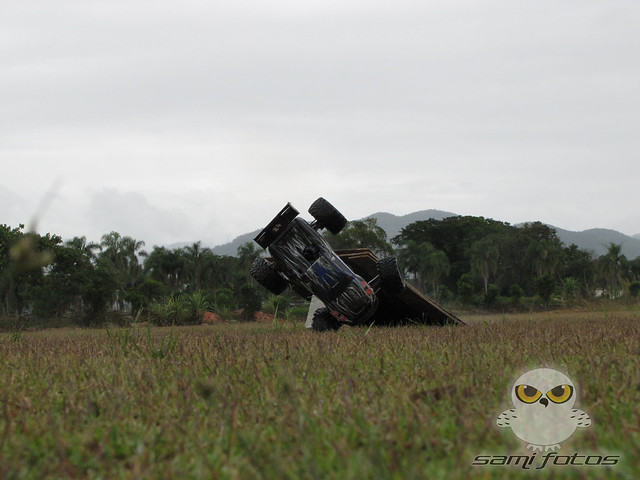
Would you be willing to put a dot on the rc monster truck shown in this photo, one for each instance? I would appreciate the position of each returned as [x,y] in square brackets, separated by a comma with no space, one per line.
[302,258]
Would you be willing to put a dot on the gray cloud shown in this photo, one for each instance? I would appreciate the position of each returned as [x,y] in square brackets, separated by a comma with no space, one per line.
[213,115]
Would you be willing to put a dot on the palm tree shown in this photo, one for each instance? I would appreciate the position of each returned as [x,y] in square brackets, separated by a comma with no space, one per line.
[247,255]
[613,265]
[425,263]
[80,243]
[545,257]
[484,259]
[360,234]
[197,261]
[437,265]
[411,258]
[166,266]
[122,253]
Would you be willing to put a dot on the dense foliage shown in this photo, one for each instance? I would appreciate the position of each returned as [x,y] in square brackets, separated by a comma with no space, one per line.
[45,277]
[468,260]
[484,261]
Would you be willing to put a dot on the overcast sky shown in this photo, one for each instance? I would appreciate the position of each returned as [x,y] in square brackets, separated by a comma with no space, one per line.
[198,120]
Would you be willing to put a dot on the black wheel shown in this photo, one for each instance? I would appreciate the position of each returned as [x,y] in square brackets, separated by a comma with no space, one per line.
[327,216]
[268,277]
[323,321]
[390,276]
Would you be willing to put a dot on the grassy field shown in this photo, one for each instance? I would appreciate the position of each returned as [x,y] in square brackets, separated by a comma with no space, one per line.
[279,402]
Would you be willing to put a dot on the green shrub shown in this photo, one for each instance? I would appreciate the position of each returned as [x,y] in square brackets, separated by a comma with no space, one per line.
[197,304]
[145,293]
[179,309]
[491,296]
[545,286]
[465,288]
[225,298]
[250,301]
[275,304]
[516,292]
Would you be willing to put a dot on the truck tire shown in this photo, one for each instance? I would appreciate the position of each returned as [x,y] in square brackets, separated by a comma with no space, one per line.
[390,276]
[323,321]
[327,216]
[266,276]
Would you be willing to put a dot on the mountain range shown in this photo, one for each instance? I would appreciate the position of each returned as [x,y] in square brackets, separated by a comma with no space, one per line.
[595,240]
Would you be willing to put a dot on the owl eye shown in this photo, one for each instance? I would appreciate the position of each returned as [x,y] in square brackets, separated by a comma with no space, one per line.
[560,394]
[527,393]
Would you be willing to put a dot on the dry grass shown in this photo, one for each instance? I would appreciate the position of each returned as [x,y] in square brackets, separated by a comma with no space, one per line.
[277,401]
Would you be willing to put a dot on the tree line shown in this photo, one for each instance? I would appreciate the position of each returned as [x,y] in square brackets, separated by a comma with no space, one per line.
[468,260]
[42,276]
[481,262]
[486,262]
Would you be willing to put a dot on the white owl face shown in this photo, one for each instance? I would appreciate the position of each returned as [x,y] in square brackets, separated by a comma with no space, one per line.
[543,413]
[543,389]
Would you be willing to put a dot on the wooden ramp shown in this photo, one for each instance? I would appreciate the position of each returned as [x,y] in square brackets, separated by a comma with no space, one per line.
[410,307]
